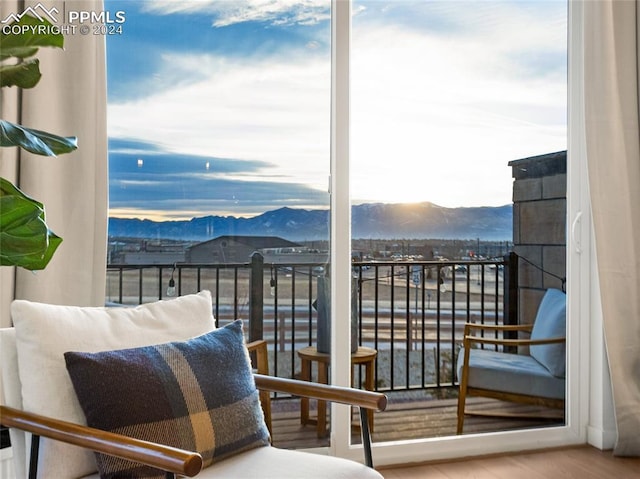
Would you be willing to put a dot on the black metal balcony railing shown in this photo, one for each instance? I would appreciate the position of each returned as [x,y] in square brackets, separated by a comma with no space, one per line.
[411,312]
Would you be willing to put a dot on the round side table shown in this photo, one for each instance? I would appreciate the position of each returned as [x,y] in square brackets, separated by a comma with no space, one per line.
[363,356]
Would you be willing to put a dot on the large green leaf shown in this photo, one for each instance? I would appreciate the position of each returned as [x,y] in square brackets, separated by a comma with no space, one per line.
[25,239]
[35,141]
[32,34]
[24,75]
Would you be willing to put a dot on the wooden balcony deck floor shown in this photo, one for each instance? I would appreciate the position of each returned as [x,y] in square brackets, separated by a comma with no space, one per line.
[411,420]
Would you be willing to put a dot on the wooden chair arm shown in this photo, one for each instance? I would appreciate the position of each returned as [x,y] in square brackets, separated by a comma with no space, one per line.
[350,396]
[165,458]
[354,397]
[259,349]
[497,327]
[511,342]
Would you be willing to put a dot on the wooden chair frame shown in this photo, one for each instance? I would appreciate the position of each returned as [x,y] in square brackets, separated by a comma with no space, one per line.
[177,461]
[465,390]
[260,360]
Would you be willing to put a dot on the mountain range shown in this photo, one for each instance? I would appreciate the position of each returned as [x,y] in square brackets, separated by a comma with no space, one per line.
[371,220]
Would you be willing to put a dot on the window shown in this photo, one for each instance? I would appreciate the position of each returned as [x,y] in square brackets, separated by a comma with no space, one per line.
[215,113]
[258,139]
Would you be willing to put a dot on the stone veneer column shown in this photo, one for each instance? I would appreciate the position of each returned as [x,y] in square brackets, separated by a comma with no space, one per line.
[539,227]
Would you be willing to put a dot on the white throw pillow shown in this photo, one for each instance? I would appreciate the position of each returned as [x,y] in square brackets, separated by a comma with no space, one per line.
[45,332]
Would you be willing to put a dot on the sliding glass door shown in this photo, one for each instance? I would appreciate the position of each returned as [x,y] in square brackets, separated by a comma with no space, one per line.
[449,100]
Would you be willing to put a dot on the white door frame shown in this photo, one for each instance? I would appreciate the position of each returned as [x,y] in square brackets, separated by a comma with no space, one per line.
[586,365]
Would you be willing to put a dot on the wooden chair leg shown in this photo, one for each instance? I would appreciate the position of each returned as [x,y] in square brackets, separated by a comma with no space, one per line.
[462,396]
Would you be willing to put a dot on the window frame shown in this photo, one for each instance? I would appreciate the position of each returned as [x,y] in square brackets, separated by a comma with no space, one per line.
[583,328]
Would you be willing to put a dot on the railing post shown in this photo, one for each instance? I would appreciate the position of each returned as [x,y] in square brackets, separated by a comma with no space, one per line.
[256,297]
[282,332]
[511,292]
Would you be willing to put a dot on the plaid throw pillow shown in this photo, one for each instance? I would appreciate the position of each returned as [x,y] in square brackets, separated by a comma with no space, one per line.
[197,395]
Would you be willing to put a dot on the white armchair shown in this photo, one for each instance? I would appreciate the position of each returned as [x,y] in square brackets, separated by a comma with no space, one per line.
[41,398]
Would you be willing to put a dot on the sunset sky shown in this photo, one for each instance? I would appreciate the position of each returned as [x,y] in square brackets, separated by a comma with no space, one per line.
[222,107]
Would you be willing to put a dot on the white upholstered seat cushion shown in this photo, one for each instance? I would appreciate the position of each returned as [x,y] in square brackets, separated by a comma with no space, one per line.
[273,463]
[267,463]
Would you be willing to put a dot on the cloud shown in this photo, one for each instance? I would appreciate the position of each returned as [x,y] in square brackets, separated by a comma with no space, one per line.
[145,180]
[273,112]
[128,156]
[157,33]
[444,112]
[225,13]
[444,95]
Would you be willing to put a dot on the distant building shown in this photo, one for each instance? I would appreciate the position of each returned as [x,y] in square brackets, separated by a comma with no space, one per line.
[145,252]
[150,258]
[238,249]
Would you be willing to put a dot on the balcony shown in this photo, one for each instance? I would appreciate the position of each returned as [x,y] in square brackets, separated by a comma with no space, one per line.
[411,312]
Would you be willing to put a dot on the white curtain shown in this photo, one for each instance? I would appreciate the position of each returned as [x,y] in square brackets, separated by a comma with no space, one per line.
[69,100]
[613,152]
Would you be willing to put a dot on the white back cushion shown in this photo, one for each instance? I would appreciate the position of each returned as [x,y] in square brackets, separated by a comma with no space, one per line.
[45,332]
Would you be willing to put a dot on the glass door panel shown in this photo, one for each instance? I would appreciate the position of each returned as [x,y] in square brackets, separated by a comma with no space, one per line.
[459,129]
[219,116]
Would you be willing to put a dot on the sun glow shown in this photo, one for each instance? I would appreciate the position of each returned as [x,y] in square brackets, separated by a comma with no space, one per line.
[168,215]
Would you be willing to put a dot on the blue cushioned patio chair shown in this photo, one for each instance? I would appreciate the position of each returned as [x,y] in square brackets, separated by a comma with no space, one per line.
[485,369]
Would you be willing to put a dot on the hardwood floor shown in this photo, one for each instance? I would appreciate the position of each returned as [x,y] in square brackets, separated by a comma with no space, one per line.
[583,462]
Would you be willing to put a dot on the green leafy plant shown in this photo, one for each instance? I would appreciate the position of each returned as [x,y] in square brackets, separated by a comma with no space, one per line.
[25,238]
